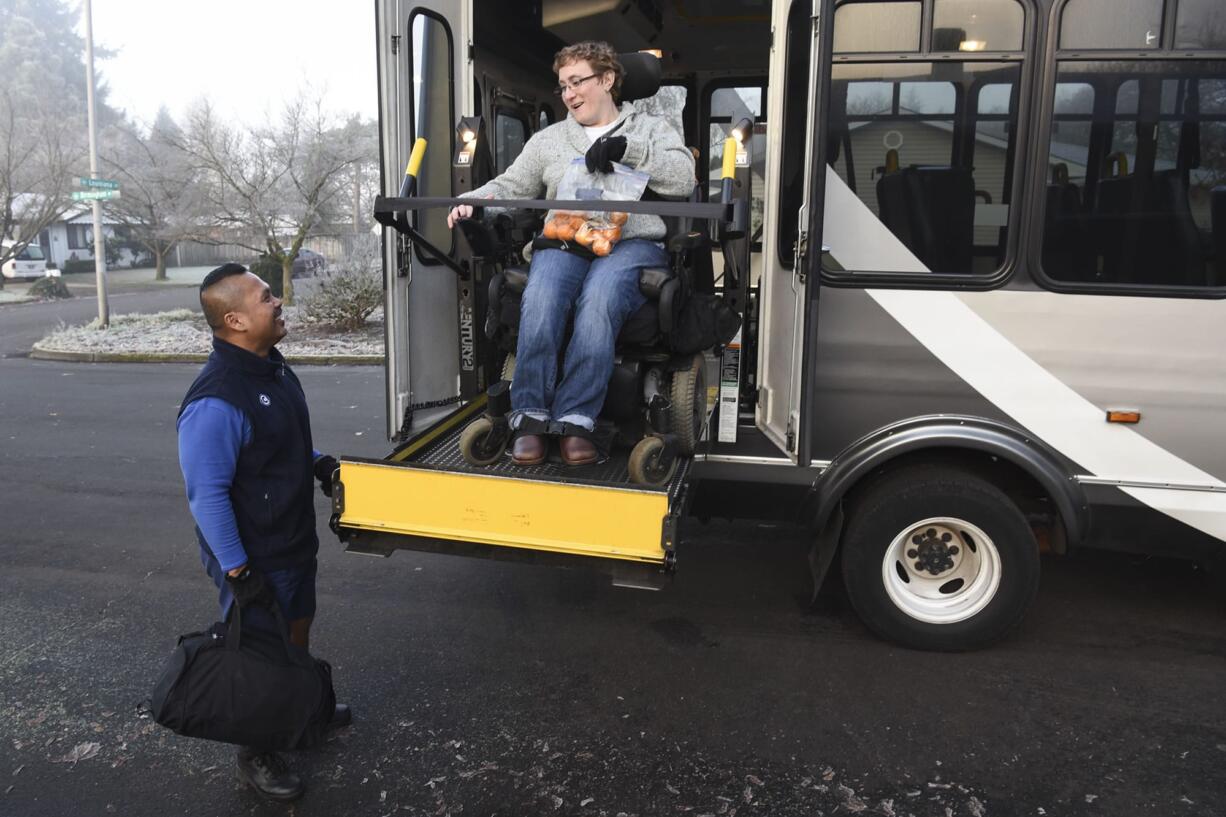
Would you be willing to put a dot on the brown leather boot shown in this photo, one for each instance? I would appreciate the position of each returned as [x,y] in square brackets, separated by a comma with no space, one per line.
[578,451]
[529,449]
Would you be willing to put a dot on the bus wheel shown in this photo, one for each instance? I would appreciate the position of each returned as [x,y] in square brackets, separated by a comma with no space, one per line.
[483,441]
[936,558]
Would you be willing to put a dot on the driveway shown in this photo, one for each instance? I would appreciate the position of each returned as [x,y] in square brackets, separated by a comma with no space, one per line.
[486,688]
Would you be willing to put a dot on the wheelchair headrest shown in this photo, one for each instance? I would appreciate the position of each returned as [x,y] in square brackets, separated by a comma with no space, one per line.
[641,78]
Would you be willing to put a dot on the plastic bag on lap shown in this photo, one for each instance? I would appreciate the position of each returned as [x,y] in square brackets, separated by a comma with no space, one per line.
[596,230]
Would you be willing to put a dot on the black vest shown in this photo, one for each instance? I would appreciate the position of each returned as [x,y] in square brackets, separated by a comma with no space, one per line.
[273,488]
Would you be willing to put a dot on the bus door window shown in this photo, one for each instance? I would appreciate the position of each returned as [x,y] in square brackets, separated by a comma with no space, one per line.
[924,136]
[432,116]
[728,105]
[927,148]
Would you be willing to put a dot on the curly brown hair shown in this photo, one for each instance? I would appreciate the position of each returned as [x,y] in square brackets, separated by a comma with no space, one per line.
[600,55]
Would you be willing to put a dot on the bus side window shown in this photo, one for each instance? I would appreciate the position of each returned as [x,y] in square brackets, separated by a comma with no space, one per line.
[1150,150]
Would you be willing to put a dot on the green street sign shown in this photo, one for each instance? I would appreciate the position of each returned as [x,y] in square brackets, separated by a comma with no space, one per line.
[89,195]
[103,184]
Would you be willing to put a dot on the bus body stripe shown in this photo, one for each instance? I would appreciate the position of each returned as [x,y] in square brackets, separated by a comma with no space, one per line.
[1010,379]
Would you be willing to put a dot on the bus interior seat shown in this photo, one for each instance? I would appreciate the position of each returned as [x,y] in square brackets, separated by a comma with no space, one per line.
[931,209]
[1066,255]
[1139,226]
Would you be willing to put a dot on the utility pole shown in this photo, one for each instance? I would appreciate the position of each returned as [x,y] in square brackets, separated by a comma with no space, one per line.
[104,314]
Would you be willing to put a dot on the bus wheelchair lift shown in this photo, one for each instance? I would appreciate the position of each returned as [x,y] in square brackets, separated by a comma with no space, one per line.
[623,509]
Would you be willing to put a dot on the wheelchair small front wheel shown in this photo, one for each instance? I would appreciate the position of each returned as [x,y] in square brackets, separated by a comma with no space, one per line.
[483,441]
[650,463]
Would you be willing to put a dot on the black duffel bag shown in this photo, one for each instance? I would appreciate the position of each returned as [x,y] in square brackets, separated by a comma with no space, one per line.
[252,688]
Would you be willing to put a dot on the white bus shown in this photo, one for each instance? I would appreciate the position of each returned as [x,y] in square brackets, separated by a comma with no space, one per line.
[980,281]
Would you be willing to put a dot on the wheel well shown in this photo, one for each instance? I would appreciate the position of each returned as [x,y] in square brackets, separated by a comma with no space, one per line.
[1034,501]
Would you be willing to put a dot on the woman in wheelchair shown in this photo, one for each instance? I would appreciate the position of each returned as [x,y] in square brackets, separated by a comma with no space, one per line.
[602,292]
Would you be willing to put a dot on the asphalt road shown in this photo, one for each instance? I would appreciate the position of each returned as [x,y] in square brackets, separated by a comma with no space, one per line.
[483,688]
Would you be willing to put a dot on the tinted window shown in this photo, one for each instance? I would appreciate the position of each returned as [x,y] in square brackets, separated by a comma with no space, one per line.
[1200,24]
[433,118]
[1124,24]
[943,196]
[877,27]
[510,135]
[977,25]
[1135,196]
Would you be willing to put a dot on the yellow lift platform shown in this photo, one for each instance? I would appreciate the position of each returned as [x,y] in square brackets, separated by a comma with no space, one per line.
[424,496]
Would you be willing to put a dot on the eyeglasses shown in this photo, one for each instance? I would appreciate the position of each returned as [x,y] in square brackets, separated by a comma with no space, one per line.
[574,84]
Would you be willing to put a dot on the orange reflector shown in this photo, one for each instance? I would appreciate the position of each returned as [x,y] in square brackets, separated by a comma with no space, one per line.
[1122,416]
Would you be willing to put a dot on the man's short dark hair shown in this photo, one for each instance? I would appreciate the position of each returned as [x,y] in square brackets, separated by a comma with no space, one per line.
[215,309]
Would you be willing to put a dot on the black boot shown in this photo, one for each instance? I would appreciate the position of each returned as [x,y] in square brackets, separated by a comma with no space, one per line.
[342,716]
[267,773]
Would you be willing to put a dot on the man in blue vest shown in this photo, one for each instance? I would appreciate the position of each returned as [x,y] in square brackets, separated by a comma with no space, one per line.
[250,469]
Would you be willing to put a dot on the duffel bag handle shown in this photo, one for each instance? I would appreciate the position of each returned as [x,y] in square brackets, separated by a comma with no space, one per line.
[234,633]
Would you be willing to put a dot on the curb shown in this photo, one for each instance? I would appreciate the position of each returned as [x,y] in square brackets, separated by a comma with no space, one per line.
[185,357]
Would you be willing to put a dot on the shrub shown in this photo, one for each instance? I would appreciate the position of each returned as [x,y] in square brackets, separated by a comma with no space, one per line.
[49,289]
[78,265]
[349,293]
[269,270]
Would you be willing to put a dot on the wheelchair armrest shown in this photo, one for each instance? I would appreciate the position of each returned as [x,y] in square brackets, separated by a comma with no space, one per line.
[652,281]
[668,296]
[479,234]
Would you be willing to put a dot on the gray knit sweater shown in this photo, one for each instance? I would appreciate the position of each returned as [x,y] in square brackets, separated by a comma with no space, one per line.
[652,147]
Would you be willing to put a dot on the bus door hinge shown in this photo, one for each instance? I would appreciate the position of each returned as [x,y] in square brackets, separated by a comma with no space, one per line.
[801,252]
[790,436]
[395,44]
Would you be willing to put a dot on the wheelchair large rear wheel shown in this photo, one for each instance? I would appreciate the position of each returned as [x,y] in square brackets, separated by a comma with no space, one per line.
[649,465]
[508,367]
[483,441]
[689,397]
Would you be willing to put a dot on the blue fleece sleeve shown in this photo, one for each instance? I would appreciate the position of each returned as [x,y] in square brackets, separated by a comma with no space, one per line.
[211,434]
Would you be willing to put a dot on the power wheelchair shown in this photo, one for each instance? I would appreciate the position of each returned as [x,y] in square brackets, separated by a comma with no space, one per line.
[656,403]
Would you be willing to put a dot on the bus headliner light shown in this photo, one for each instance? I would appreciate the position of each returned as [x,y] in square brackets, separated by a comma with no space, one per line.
[972,45]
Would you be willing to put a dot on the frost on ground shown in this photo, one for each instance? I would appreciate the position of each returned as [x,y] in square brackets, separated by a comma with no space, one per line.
[184,332]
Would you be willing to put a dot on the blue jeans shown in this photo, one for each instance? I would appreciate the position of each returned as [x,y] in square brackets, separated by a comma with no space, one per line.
[602,294]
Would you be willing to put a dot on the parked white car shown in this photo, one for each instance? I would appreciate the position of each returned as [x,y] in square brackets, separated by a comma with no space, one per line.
[29,263]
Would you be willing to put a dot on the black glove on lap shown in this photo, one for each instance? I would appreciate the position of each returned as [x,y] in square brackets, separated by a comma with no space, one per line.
[249,587]
[324,467]
[603,153]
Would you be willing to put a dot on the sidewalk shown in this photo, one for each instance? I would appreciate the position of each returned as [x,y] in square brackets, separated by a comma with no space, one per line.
[84,284]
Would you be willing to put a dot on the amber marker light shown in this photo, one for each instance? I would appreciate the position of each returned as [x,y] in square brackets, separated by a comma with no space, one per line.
[1128,416]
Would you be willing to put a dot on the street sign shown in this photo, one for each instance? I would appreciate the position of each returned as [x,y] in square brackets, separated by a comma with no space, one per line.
[88,195]
[103,184]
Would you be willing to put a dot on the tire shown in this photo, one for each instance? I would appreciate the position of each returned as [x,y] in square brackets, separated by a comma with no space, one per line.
[482,443]
[922,519]
[645,466]
[688,392]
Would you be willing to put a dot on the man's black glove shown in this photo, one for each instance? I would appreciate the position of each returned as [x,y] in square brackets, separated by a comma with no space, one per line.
[249,587]
[324,468]
[603,153]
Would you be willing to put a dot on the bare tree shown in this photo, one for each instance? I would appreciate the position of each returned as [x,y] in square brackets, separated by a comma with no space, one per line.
[162,204]
[35,173]
[277,183]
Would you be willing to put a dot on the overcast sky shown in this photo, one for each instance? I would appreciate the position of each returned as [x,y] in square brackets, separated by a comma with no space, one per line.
[248,56]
